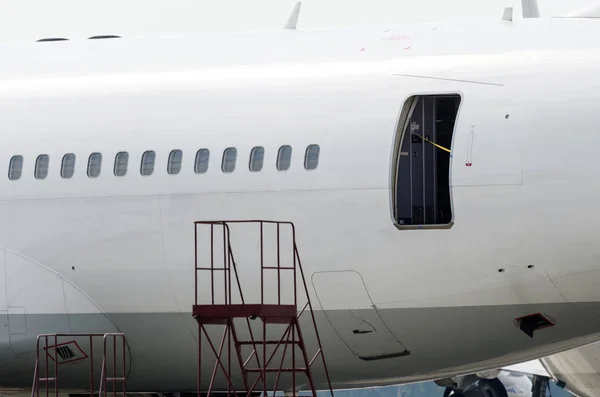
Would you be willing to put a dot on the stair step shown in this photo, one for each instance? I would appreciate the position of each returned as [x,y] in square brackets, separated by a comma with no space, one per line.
[275,370]
[268,342]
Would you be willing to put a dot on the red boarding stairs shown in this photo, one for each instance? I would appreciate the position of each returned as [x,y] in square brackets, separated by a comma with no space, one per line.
[279,315]
[71,350]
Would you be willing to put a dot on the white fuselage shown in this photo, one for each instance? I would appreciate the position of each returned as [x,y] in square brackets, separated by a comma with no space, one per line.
[113,252]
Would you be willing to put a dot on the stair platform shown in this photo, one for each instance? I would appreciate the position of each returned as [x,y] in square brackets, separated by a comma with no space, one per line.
[221,314]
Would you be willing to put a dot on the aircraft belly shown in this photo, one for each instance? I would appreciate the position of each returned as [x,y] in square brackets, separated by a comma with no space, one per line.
[164,357]
[4,331]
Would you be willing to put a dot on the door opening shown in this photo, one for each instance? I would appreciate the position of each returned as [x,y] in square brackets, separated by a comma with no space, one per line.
[421,177]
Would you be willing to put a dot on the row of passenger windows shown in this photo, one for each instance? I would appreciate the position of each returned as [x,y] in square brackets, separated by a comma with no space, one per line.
[228,162]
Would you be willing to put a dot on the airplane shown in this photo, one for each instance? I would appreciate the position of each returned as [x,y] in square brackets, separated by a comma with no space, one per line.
[445,226]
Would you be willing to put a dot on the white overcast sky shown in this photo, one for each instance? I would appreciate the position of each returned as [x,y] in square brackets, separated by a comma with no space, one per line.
[28,20]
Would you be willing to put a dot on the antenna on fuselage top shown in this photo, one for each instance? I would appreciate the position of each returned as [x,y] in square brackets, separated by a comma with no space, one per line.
[293,19]
[530,9]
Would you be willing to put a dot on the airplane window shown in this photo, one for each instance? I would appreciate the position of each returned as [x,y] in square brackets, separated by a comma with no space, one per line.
[148,163]
[94,165]
[174,164]
[68,166]
[41,166]
[15,168]
[257,156]
[201,163]
[284,158]
[311,158]
[229,158]
[121,160]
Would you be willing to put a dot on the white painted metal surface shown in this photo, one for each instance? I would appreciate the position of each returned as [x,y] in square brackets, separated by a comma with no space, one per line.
[527,203]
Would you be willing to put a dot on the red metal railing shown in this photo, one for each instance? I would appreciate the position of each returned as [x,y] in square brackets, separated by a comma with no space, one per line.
[114,379]
[50,375]
[222,310]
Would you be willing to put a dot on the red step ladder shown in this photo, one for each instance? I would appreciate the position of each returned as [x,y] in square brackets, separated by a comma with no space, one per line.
[280,318]
[72,349]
